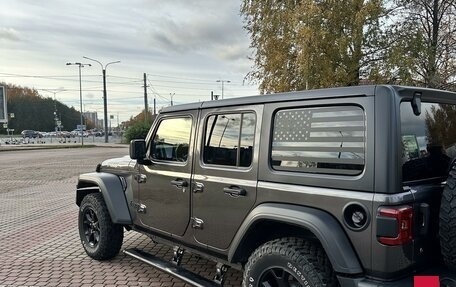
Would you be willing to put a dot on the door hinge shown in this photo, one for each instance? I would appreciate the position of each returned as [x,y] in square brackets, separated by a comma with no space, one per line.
[198,187]
[140,178]
[197,223]
[140,208]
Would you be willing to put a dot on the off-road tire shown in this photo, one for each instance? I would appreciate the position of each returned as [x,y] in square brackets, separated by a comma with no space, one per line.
[447,226]
[304,260]
[110,234]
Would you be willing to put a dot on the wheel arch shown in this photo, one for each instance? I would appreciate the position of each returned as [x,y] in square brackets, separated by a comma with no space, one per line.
[295,221]
[110,187]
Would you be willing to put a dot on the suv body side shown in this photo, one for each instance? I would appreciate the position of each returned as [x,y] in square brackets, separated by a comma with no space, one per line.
[222,223]
[215,202]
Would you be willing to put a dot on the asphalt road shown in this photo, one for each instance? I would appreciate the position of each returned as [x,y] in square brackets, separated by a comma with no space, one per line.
[39,240]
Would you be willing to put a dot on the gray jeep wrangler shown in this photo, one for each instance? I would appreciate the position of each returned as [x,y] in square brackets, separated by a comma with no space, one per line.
[334,187]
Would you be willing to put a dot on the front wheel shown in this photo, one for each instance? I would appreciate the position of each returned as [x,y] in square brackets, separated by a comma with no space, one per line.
[100,238]
[289,262]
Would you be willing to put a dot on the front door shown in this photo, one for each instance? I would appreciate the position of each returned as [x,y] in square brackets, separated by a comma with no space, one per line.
[225,173]
[164,185]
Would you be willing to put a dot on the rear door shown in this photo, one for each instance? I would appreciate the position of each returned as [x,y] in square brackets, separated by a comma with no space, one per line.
[225,172]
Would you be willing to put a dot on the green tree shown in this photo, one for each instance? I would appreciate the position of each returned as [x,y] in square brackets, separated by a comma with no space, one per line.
[138,130]
[423,46]
[441,125]
[303,44]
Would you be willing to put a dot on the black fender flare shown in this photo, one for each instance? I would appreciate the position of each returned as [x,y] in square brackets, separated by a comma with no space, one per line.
[323,225]
[111,188]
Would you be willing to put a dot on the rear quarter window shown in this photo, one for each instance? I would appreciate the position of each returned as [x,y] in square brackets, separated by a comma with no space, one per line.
[327,140]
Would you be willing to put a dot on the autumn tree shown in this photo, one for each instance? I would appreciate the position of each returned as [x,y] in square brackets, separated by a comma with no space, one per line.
[303,44]
[35,112]
[139,118]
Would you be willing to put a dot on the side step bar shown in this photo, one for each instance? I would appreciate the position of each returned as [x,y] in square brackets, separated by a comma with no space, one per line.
[170,268]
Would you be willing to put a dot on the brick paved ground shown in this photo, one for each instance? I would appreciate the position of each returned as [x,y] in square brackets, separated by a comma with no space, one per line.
[39,241]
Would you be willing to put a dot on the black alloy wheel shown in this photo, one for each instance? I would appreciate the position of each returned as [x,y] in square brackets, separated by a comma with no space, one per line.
[91,227]
[289,262]
[278,277]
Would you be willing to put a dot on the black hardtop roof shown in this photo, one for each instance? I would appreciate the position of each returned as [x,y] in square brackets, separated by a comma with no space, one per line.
[367,90]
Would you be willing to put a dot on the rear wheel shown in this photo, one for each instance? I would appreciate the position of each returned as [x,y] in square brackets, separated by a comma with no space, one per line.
[447,228]
[289,262]
[100,238]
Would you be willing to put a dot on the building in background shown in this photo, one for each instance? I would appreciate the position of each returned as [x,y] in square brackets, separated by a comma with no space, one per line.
[99,124]
[92,117]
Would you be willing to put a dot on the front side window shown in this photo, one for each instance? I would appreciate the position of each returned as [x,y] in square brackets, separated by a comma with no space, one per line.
[328,140]
[229,139]
[428,140]
[172,139]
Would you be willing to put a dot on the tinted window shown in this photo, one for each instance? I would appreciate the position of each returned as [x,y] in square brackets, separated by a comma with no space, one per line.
[225,133]
[428,140]
[171,141]
[319,140]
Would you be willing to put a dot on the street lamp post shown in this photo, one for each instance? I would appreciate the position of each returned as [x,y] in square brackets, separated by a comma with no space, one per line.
[223,81]
[56,117]
[224,129]
[105,94]
[80,65]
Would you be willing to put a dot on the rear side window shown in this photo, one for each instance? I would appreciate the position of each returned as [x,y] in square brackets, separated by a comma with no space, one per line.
[229,139]
[328,140]
[428,140]
[172,139]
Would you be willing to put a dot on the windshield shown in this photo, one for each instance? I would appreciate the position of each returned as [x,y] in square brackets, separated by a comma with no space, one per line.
[428,141]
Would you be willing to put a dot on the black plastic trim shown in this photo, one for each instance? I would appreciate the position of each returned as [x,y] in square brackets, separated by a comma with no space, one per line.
[325,227]
[113,194]
[168,267]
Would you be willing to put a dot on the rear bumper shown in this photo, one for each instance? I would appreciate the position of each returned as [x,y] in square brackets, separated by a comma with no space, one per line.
[446,276]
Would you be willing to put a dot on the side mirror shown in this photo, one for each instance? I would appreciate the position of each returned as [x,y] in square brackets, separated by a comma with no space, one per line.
[138,151]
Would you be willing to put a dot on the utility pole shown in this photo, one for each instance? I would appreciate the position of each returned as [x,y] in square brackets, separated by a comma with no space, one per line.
[155,106]
[146,107]
[172,95]
[118,128]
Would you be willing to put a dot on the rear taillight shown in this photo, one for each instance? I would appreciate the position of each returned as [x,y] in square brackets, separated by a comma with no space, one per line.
[395,225]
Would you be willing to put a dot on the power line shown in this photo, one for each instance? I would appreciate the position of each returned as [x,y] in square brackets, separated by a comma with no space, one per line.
[189,81]
[41,76]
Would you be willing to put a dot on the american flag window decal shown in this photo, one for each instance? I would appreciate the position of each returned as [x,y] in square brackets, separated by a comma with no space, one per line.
[328,140]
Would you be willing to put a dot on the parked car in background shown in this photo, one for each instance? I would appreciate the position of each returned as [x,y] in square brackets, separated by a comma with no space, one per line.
[65,134]
[30,134]
[77,133]
[96,133]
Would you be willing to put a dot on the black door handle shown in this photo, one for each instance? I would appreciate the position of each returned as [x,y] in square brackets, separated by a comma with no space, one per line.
[234,191]
[179,183]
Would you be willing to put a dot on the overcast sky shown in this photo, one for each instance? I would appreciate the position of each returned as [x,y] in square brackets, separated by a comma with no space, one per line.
[184,46]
